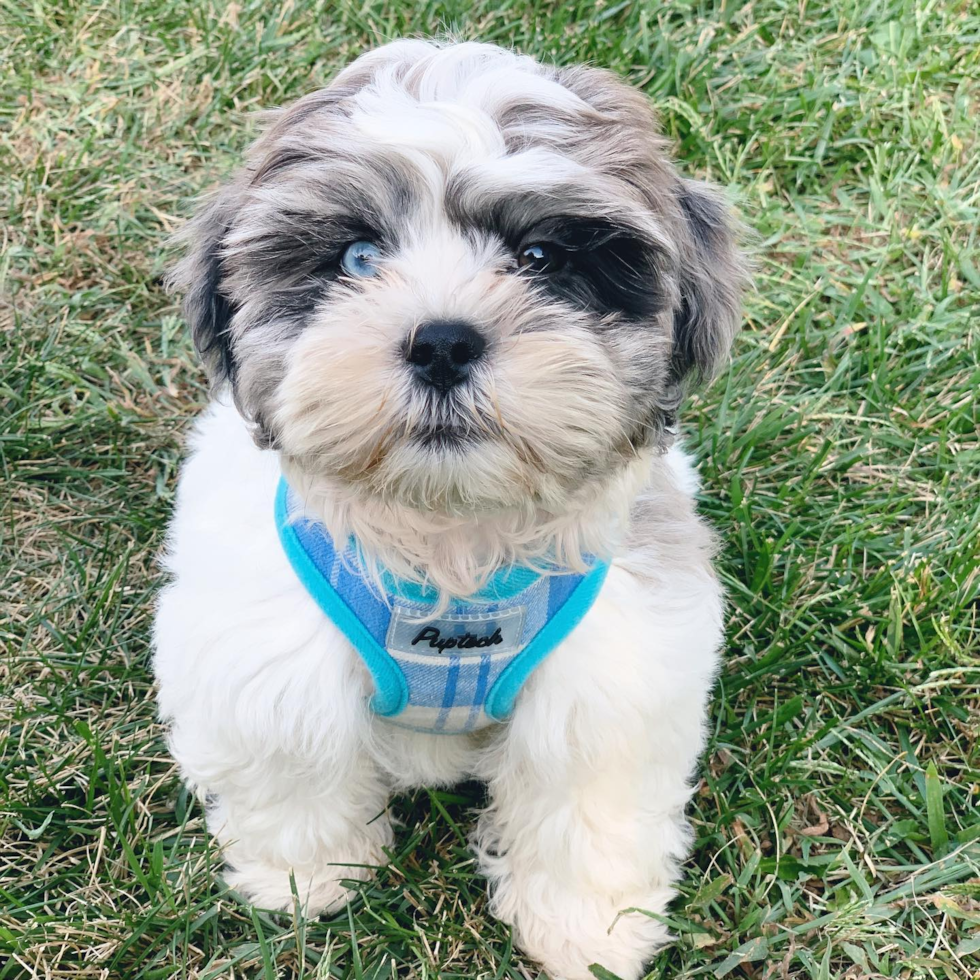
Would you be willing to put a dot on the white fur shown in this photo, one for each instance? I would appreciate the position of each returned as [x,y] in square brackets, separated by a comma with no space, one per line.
[267,707]
[454,159]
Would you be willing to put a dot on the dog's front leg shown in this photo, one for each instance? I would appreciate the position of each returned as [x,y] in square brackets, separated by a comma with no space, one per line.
[588,788]
[293,791]
[315,827]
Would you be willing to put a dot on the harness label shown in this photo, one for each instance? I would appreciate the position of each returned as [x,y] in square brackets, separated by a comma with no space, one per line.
[466,634]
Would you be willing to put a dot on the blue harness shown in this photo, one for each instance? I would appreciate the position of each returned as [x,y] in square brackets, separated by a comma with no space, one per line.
[452,673]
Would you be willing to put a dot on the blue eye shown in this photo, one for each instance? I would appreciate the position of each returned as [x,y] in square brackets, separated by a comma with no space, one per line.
[360,259]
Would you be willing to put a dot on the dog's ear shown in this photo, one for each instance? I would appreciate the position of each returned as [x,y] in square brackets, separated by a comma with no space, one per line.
[207,309]
[712,279]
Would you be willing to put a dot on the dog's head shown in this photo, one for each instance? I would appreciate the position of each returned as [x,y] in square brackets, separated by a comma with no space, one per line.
[458,280]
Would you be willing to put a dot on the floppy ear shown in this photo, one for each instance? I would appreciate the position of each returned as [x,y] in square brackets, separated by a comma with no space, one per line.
[712,278]
[198,276]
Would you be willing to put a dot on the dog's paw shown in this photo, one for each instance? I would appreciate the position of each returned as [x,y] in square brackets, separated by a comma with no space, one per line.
[320,889]
[566,933]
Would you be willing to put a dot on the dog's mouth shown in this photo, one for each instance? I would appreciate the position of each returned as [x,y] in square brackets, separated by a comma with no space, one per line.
[449,438]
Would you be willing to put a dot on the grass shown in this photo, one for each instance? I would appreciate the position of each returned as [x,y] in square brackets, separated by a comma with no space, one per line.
[837,827]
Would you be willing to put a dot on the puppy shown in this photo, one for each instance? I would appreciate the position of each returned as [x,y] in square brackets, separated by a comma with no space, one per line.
[432,526]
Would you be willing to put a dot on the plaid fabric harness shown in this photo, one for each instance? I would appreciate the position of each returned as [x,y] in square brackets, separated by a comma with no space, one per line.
[450,673]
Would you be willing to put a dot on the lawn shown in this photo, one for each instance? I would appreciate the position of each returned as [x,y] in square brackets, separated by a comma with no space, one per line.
[837,826]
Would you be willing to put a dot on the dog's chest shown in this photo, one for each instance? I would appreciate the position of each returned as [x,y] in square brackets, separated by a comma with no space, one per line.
[443,669]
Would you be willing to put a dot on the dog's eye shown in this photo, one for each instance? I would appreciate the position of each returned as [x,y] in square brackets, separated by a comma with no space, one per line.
[541,257]
[361,259]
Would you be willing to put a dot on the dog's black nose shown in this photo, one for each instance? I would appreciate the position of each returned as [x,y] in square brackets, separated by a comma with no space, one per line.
[442,351]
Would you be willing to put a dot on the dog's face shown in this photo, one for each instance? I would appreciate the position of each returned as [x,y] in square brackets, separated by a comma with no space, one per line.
[462,281]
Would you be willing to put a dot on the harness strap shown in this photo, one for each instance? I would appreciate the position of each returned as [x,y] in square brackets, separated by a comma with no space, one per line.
[448,673]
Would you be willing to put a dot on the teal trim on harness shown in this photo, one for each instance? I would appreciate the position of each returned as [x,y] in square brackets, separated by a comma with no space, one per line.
[391,689]
[446,673]
[503,694]
[505,583]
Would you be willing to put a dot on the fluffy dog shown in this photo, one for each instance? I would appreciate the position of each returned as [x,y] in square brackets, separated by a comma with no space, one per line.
[453,300]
